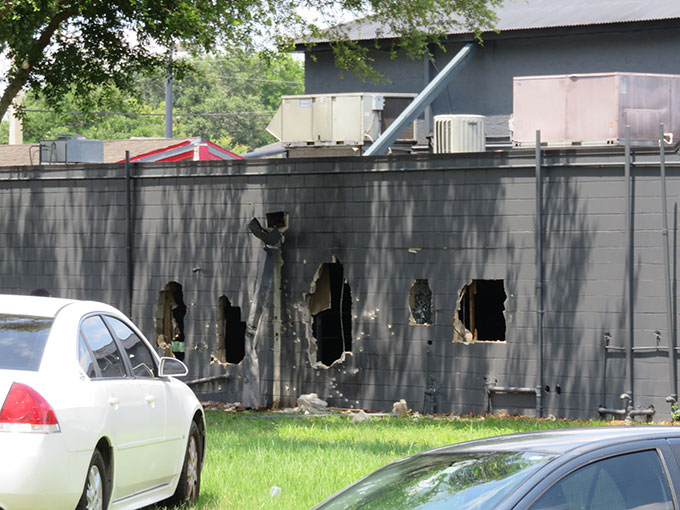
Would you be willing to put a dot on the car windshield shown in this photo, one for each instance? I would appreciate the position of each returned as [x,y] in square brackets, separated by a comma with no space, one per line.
[441,481]
[22,341]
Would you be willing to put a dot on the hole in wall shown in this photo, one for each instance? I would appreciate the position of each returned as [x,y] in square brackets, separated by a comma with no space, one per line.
[330,307]
[420,303]
[278,219]
[480,314]
[169,320]
[231,332]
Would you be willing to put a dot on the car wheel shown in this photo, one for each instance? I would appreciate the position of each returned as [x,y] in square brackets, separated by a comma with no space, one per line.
[190,479]
[95,490]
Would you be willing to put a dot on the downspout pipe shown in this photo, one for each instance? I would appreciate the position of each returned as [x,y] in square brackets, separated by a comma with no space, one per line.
[278,326]
[539,276]
[629,275]
[672,372]
[603,381]
[418,105]
[129,265]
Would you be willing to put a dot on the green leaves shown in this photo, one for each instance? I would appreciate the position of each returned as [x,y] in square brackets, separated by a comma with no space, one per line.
[61,47]
[228,101]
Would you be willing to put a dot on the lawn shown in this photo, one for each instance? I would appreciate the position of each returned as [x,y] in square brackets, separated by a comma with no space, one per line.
[310,458]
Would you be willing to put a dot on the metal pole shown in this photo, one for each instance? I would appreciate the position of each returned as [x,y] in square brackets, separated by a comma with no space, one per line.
[603,381]
[673,396]
[128,233]
[251,392]
[276,383]
[539,274]
[629,272]
[168,101]
[427,121]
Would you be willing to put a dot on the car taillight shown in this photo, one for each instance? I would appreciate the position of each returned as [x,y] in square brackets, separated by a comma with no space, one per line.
[25,410]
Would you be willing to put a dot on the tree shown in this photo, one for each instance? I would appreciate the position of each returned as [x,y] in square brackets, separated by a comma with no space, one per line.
[41,122]
[62,46]
[246,90]
[228,101]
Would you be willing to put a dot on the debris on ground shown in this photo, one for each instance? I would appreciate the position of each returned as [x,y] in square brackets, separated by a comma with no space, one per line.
[223,406]
[311,404]
[400,408]
[359,417]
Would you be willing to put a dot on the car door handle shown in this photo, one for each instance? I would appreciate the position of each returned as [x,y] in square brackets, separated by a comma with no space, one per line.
[113,402]
[151,400]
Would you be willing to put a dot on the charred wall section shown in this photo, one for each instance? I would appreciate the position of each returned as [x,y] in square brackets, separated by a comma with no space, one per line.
[410,233]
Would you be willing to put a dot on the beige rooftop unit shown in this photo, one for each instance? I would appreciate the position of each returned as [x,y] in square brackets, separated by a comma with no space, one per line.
[594,109]
[338,119]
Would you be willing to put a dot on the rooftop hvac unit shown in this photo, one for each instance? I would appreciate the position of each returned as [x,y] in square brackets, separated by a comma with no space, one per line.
[459,133]
[594,109]
[338,119]
[71,150]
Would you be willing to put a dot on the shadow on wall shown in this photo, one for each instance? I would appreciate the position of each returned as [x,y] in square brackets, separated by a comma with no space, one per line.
[433,232]
[443,228]
[569,237]
[60,236]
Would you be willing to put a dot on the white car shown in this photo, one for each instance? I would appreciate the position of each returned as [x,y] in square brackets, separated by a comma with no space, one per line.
[90,416]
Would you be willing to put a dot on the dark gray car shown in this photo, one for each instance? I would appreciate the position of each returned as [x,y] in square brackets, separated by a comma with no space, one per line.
[603,468]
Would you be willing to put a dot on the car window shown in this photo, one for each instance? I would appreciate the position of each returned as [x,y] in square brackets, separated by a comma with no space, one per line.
[139,355]
[106,353]
[84,358]
[441,481]
[22,341]
[625,482]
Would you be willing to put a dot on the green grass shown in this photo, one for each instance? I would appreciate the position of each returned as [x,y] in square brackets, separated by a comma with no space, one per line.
[310,458]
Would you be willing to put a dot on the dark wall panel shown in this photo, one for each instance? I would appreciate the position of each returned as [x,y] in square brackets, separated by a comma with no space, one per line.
[449,220]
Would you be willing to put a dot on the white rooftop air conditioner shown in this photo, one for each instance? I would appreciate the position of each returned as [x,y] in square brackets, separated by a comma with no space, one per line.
[459,133]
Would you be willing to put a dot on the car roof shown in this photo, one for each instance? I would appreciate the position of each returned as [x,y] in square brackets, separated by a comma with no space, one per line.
[560,441]
[33,306]
[49,307]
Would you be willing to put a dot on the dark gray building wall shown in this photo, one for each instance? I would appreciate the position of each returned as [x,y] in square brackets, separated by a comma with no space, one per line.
[484,86]
[388,220]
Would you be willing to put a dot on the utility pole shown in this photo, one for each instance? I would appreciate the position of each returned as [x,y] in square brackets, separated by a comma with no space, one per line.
[168,99]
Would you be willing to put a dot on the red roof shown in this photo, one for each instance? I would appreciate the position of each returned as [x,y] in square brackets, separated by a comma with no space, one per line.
[187,150]
[140,149]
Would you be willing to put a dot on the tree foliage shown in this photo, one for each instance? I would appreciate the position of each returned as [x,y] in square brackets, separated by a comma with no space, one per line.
[63,46]
[228,101]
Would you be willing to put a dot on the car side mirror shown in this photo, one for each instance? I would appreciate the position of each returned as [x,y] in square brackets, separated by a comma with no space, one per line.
[172,367]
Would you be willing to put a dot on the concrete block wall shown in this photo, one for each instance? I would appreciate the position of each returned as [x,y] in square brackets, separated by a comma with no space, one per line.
[388,221]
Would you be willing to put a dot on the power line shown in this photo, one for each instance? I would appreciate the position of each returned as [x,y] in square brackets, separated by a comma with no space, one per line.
[141,114]
[257,80]
[230,77]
